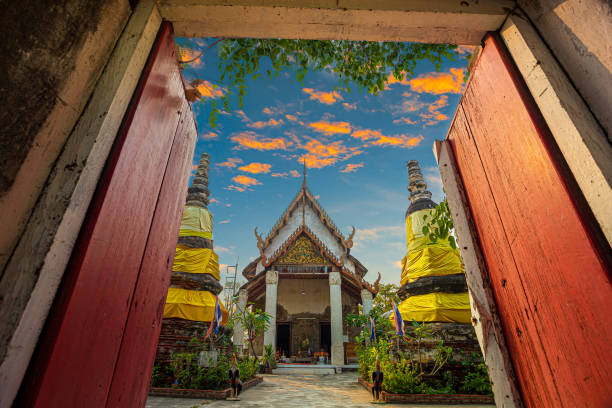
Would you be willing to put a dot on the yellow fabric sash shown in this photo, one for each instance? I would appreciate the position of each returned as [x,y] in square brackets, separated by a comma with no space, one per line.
[437,307]
[192,305]
[196,222]
[196,260]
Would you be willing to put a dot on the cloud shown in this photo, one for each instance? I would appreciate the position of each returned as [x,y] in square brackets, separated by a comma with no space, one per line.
[349,106]
[209,136]
[364,235]
[412,103]
[213,200]
[245,180]
[243,117]
[236,188]
[256,168]
[189,54]
[271,122]
[434,183]
[291,118]
[208,89]
[439,82]
[328,98]
[314,161]
[466,49]
[194,167]
[333,149]
[251,140]
[397,264]
[330,128]
[376,138]
[351,168]
[435,116]
[295,173]
[406,121]
[218,248]
[282,175]
[231,162]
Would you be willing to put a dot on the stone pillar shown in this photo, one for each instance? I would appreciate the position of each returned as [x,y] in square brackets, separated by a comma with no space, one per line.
[366,301]
[271,289]
[238,327]
[335,302]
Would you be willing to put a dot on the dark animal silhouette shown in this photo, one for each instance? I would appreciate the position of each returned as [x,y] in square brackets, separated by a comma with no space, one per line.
[234,378]
[377,380]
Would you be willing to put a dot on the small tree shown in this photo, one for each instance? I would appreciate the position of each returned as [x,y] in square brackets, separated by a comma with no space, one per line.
[386,293]
[256,322]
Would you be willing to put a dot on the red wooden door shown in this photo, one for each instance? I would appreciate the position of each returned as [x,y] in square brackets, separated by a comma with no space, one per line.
[547,273]
[99,343]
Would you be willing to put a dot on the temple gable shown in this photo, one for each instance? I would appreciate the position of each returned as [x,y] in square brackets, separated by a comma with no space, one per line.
[302,251]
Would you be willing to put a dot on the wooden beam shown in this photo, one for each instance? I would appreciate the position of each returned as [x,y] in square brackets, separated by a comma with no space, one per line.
[583,143]
[484,314]
[441,21]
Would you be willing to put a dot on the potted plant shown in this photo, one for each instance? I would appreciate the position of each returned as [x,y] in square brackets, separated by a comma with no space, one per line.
[269,359]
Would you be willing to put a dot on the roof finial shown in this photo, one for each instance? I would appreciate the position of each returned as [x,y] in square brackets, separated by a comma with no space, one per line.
[304,181]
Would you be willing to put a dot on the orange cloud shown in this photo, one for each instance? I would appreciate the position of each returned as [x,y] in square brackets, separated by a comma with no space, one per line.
[324,150]
[391,79]
[283,175]
[209,136]
[328,98]
[291,117]
[435,116]
[439,104]
[267,111]
[231,162]
[376,138]
[236,188]
[329,128]
[351,168]
[194,167]
[294,173]
[407,121]
[314,161]
[260,124]
[439,82]
[208,89]
[349,106]
[188,54]
[256,168]
[466,49]
[245,180]
[251,140]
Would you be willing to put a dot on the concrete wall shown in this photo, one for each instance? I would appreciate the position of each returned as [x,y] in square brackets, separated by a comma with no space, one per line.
[578,33]
[52,56]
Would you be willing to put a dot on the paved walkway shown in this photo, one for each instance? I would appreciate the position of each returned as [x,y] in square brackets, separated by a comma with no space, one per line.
[289,391]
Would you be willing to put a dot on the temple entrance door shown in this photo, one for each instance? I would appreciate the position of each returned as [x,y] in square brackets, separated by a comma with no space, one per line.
[326,337]
[283,339]
[99,342]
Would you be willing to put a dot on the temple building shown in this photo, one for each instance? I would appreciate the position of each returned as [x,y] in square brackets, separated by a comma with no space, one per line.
[433,286]
[194,283]
[308,281]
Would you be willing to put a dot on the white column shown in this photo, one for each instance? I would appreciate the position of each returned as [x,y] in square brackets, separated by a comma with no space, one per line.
[238,327]
[335,302]
[366,301]
[271,289]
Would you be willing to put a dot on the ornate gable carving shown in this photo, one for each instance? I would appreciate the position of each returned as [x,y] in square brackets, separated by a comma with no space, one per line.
[302,252]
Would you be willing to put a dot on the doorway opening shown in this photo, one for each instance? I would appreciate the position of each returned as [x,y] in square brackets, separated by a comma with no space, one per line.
[283,339]
[325,331]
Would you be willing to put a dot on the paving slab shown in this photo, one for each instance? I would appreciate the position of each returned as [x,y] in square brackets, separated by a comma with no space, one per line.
[281,391]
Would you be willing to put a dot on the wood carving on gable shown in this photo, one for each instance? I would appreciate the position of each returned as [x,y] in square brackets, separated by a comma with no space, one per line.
[303,251]
[261,246]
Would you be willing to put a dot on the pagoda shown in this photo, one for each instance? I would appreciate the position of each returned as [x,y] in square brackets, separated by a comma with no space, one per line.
[307,280]
[194,283]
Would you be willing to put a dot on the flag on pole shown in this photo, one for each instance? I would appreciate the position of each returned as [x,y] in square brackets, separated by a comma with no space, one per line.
[218,317]
[372,329]
[399,323]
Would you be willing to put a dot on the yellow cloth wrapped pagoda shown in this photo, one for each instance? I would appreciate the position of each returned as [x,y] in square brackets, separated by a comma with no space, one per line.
[433,285]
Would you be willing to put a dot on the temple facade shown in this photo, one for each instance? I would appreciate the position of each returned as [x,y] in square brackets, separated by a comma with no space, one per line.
[307,280]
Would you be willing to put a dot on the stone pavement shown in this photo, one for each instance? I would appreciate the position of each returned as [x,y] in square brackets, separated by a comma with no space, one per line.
[284,391]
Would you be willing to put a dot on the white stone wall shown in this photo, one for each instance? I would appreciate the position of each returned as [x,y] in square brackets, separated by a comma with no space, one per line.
[314,300]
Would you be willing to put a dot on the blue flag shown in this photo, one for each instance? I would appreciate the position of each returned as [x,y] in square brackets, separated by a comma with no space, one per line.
[399,323]
[218,316]
[372,329]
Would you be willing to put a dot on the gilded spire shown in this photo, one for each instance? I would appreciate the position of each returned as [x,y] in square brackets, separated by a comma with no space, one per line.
[304,180]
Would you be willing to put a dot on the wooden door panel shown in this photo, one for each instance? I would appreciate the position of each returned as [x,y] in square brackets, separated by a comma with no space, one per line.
[141,334]
[80,346]
[549,282]
[502,270]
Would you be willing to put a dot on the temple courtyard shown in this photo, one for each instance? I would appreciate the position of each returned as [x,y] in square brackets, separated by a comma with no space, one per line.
[285,391]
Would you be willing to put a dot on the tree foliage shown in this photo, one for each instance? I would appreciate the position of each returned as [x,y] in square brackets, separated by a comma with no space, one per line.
[386,293]
[439,224]
[365,65]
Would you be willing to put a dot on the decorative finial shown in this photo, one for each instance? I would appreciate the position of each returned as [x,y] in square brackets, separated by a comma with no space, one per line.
[304,181]
[420,197]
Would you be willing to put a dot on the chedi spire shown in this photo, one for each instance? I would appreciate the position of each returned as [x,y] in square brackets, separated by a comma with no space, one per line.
[198,193]
[420,197]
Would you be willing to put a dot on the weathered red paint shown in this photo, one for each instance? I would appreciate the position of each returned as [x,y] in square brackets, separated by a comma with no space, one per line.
[108,303]
[547,271]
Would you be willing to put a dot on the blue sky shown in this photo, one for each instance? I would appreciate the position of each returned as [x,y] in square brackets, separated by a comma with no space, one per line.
[356,146]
